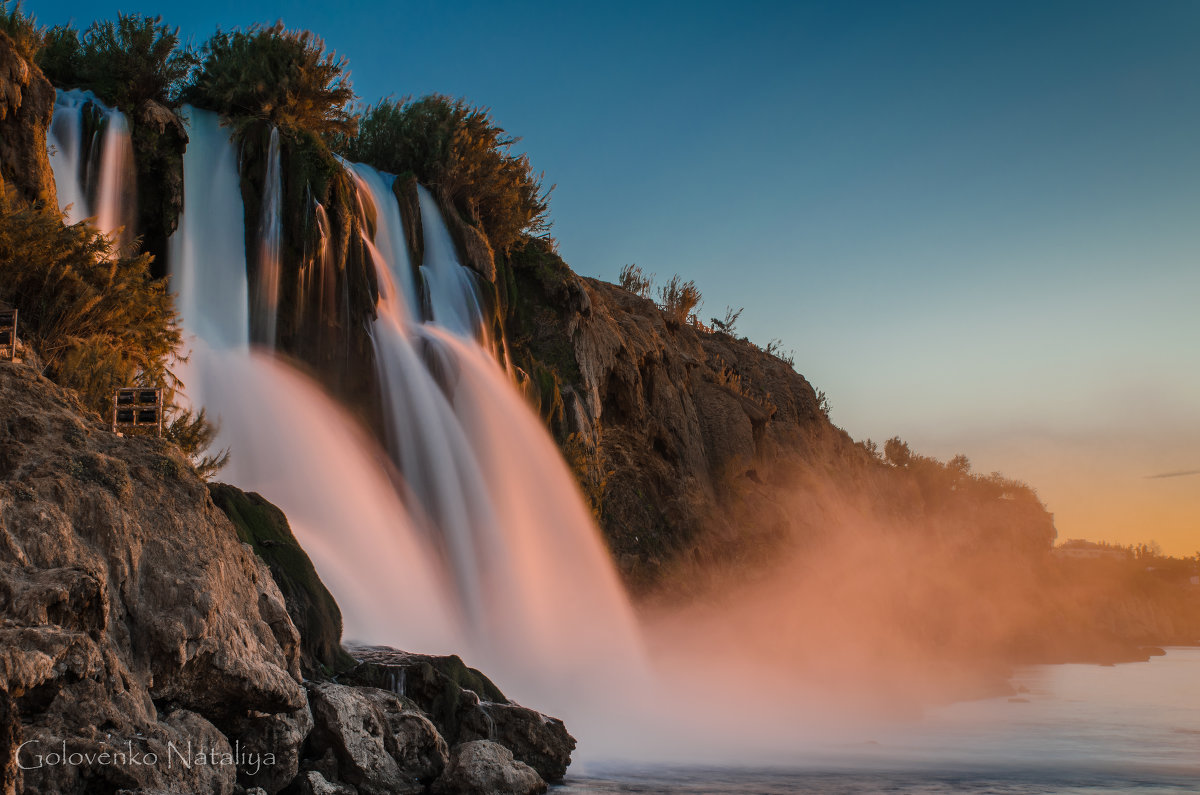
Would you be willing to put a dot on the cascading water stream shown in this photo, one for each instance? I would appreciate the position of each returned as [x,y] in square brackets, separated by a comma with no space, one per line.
[453,301]
[67,159]
[389,240]
[532,577]
[94,175]
[208,250]
[270,235]
[289,441]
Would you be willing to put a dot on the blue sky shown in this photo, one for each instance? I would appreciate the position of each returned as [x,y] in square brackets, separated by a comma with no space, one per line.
[975,222]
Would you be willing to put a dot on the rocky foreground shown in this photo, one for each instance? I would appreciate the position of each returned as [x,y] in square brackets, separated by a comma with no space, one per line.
[146,647]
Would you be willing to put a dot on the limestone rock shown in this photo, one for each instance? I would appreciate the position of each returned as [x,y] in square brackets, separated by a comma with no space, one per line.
[159,139]
[380,745]
[134,619]
[313,783]
[465,705]
[481,767]
[26,107]
[278,738]
[310,606]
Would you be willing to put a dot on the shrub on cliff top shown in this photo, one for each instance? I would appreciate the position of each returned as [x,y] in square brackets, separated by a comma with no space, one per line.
[23,30]
[98,321]
[679,300]
[125,62]
[458,148]
[636,280]
[277,75]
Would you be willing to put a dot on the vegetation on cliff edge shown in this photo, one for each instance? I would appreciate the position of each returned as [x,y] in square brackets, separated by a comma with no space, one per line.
[97,320]
[459,149]
[126,62]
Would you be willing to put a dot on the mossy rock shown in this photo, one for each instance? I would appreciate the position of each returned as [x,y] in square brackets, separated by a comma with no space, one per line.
[312,608]
[438,685]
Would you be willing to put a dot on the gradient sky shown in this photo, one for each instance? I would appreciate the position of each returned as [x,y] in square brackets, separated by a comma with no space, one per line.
[976,223]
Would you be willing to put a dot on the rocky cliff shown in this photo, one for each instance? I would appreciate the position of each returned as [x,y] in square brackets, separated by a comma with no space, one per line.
[133,616]
[694,444]
[137,625]
[26,106]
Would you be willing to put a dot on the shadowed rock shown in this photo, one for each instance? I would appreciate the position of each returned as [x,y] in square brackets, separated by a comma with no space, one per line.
[379,744]
[482,767]
[465,705]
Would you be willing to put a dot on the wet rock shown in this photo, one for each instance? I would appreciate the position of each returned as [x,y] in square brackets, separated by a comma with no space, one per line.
[380,744]
[535,739]
[159,138]
[481,767]
[465,705]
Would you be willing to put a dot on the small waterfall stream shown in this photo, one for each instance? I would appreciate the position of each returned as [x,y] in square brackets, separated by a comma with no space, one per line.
[208,250]
[453,299]
[93,174]
[520,546]
[270,236]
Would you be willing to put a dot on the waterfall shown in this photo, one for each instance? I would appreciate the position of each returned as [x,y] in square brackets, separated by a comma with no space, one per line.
[376,188]
[208,249]
[67,159]
[533,578]
[270,235]
[94,174]
[450,287]
[457,526]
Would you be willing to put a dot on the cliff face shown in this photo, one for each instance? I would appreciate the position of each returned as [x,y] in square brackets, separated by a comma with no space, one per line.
[26,106]
[139,623]
[133,616]
[717,477]
[700,448]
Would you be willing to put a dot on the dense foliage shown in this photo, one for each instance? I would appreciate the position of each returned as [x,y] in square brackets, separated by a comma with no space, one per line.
[460,150]
[126,62]
[272,74]
[97,320]
[22,29]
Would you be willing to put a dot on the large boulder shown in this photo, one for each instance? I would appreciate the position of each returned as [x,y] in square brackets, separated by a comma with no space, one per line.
[134,620]
[482,767]
[465,705]
[272,745]
[379,743]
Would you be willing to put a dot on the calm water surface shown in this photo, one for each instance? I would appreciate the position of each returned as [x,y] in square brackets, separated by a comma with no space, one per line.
[1072,729]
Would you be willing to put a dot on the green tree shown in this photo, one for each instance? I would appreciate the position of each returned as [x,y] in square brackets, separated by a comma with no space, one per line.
[97,320]
[22,29]
[896,452]
[277,75]
[126,62]
[460,150]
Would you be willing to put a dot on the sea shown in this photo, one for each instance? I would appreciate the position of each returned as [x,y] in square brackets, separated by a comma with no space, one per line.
[1132,727]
